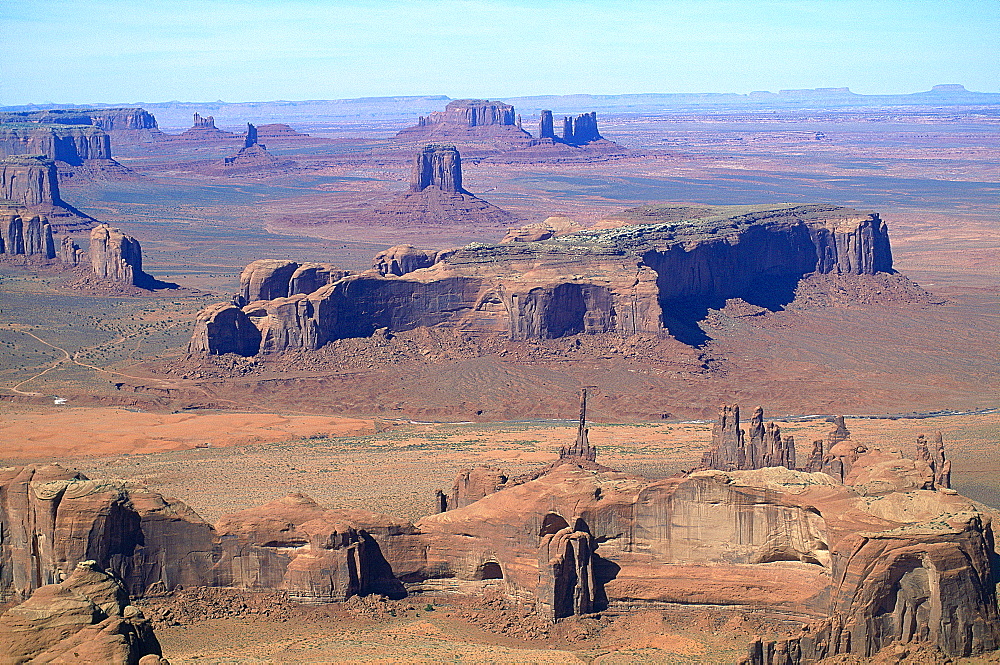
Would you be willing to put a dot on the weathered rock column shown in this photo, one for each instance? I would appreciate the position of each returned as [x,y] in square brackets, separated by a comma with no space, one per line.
[437,166]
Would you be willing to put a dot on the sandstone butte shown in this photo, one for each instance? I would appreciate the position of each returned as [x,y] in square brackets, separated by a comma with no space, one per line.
[481,123]
[632,278]
[866,547]
[436,195]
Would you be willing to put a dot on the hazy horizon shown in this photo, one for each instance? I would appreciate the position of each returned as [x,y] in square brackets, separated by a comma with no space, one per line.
[104,51]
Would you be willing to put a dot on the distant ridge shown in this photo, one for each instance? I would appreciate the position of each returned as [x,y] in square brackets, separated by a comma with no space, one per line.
[176,114]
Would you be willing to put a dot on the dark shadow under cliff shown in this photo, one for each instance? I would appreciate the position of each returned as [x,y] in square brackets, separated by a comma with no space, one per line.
[682,316]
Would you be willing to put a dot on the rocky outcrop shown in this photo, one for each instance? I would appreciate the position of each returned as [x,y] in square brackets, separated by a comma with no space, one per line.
[29,237]
[267,279]
[402,259]
[546,129]
[733,450]
[53,518]
[580,449]
[624,280]
[28,181]
[436,195]
[318,555]
[116,256]
[84,618]
[224,328]
[71,144]
[862,563]
[471,485]
[471,121]
[204,129]
[939,464]
[438,166]
[29,185]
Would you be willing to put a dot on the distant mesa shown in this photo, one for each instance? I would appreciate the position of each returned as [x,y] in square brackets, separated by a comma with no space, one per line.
[470,120]
[277,130]
[204,129]
[647,277]
[481,123]
[29,185]
[436,195]
[77,141]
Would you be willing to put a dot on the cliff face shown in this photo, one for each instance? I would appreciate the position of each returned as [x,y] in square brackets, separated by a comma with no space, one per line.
[864,565]
[437,166]
[29,184]
[472,113]
[71,144]
[116,257]
[471,120]
[624,280]
[29,181]
[30,237]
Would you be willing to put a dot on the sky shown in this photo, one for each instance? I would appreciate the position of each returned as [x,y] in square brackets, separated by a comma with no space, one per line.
[111,51]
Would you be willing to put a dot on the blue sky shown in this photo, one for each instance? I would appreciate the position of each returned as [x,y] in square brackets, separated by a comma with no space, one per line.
[86,51]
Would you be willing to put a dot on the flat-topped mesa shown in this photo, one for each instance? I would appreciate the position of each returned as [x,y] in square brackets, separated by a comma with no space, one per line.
[471,120]
[472,113]
[439,166]
[70,144]
[29,184]
[624,280]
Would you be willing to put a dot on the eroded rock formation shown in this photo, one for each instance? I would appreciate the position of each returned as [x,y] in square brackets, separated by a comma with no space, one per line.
[436,195]
[268,279]
[402,259]
[474,121]
[863,563]
[72,144]
[84,618]
[117,257]
[29,185]
[30,237]
[438,166]
[203,129]
[733,450]
[624,280]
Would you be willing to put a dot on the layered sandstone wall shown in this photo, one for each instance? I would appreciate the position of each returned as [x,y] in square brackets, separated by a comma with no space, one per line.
[29,237]
[116,256]
[29,181]
[71,144]
[624,281]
